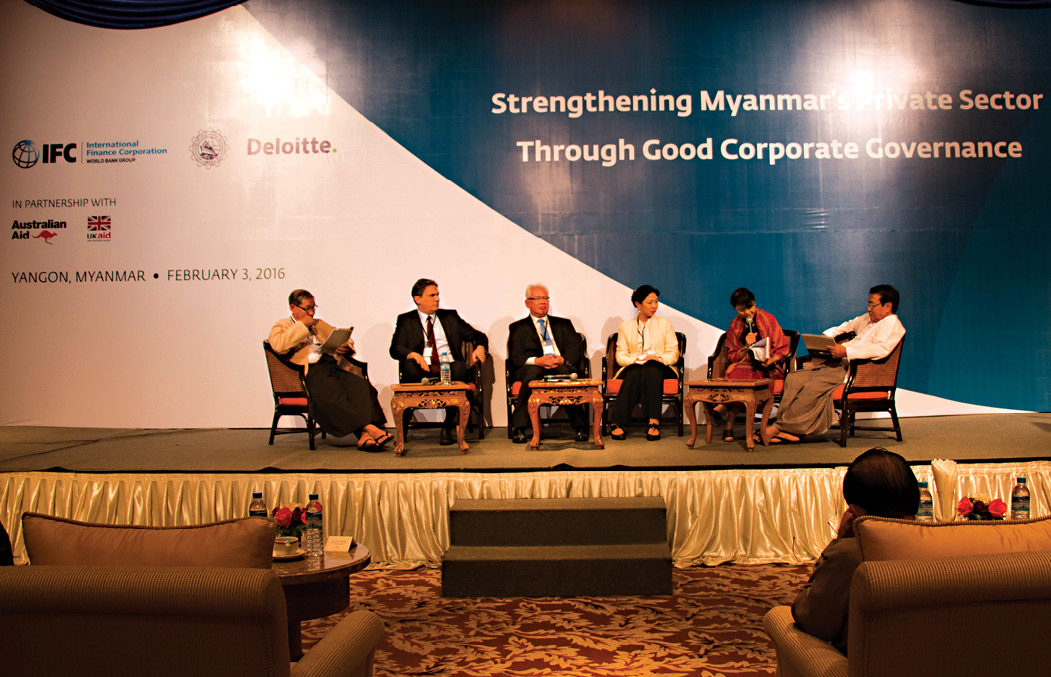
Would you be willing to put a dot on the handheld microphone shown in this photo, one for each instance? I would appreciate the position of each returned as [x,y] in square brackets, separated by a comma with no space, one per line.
[749,324]
[425,381]
[573,376]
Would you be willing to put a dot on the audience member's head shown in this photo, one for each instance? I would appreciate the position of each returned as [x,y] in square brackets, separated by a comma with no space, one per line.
[881,483]
[887,294]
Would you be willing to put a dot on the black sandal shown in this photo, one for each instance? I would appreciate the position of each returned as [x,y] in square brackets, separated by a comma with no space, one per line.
[651,437]
[728,435]
[616,436]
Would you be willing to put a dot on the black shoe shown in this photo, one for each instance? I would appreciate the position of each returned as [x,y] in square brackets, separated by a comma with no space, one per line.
[582,436]
[446,438]
[518,436]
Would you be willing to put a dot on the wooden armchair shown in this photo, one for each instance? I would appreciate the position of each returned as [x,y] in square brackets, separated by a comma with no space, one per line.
[871,386]
[290,395]
[673,389]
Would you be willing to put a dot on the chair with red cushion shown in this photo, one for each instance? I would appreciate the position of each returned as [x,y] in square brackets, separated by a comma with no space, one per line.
[871,386]
[513,387]
[673,388]
[290,395]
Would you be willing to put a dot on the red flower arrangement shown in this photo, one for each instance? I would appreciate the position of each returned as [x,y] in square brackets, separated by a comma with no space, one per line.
[291,520]
[980,508]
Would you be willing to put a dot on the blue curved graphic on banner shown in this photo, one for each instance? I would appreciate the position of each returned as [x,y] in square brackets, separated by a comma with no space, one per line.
[965,239]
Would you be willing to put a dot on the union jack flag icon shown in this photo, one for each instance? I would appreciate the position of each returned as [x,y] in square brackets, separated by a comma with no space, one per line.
[99,223]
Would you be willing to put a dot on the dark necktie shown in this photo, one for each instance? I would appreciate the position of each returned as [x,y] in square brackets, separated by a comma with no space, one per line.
[435,366]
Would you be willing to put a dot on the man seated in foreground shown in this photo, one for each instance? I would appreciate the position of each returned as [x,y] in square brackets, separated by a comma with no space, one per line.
[420,338]
[540,345]
[880,483]
[806,403]
[342,402]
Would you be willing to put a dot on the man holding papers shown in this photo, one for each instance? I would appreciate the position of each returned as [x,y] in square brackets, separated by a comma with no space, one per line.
[806,404]
[343,403]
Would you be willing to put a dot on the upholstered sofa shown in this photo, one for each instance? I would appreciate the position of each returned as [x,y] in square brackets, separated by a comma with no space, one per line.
[123,600]
[165,621]
[931,600]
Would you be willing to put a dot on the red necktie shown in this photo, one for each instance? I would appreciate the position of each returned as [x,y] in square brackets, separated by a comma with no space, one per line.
[435,366]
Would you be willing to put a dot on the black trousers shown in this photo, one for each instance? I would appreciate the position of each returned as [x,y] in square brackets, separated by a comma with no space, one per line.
[343,403]
[531,372]
[643,385]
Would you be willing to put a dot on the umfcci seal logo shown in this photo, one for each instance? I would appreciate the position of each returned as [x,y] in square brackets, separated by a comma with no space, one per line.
[25,154]
[209,148]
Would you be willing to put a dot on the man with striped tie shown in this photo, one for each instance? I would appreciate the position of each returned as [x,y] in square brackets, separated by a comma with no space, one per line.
[541,345]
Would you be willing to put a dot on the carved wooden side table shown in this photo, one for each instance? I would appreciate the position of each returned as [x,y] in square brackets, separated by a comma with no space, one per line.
[566,393]
[752,394]
[438,396]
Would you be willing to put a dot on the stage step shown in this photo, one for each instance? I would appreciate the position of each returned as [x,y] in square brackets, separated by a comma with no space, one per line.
[560,547]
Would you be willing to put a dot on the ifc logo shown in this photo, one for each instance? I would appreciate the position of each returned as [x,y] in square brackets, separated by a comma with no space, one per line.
[25,154]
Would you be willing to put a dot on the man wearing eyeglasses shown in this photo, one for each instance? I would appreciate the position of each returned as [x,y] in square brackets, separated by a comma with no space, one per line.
[538,346]
[342,402]
[806,402]
[420,338]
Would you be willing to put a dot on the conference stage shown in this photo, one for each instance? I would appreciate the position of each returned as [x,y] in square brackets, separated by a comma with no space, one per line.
[724,503]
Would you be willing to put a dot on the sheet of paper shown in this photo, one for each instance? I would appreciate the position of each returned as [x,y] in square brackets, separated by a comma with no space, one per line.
[337,338]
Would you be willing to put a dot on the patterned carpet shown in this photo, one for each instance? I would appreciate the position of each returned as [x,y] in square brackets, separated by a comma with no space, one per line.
[710,626]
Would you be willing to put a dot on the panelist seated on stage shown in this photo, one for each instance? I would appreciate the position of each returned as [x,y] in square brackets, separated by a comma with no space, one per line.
[542,345]
[806,402]
[647,351]
[751,325]
[342,402]
[420,338]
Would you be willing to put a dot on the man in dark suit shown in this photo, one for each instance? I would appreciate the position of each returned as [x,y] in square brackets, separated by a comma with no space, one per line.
[540,345]
[420,338]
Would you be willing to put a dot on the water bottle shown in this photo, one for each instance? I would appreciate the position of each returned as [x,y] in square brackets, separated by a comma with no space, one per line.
[257,508]
[1020,501]
[446,368]
[926,511]
[314,539]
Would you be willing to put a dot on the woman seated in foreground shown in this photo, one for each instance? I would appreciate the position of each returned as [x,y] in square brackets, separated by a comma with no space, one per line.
[878,482]
[647,350]
[750,326]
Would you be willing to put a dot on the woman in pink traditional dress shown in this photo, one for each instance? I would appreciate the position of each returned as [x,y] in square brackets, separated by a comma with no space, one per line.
[751,326]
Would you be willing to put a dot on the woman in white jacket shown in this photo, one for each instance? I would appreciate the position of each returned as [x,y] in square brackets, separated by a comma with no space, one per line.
[647,351]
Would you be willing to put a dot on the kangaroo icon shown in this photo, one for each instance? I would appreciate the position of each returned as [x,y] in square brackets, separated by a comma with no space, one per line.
[47,235]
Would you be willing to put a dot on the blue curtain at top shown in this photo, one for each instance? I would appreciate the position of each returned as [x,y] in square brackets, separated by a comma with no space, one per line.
[131,14]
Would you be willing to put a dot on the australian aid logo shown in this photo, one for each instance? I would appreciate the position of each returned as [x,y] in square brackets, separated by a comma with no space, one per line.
[36,230]
[100,228]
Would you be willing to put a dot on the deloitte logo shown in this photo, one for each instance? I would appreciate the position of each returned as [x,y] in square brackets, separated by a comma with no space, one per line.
[25,154]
